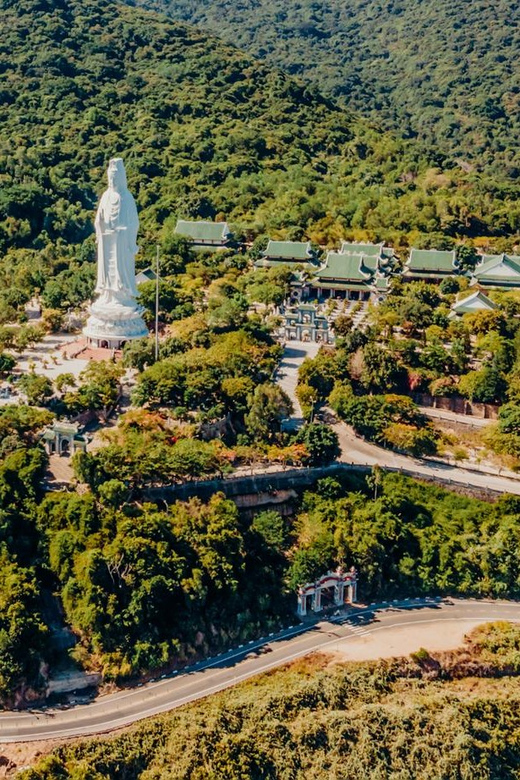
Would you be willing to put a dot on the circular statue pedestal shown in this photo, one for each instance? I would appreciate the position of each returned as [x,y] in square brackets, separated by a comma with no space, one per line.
[112,323]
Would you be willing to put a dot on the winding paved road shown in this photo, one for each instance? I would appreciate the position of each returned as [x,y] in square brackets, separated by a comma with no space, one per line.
[120,709]
[356,450]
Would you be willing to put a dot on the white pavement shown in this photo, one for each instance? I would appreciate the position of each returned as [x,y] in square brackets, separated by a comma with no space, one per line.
[295,352]
[47,359]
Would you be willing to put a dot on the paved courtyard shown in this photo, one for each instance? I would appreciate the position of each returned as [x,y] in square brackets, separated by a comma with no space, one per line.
[49,357]
[294,354]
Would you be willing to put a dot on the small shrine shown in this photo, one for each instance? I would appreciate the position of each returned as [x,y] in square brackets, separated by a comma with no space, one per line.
[329,588]
[64,438]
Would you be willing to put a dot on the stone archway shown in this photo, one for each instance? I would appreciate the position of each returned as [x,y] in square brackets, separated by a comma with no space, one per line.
[337,582]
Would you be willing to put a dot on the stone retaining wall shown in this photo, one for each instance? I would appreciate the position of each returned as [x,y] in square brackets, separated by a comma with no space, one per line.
[266,489]
[458,405]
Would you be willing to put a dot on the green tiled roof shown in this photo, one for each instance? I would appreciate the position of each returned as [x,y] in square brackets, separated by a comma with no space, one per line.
[203,231]
[474,302]
[294,265]
[498,268]
[365,287]
[430,261]
[346,268]
[369,264]
[291,250]
[147,275]
[369,250]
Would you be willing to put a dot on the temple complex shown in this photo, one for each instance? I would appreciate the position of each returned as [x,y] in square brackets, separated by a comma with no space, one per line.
[358,272]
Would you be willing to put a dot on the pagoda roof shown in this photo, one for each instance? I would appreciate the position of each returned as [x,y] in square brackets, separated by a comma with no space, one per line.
[201,230]
[363,286]
[148,275]
[295,265]
[346,267]
[289,250]
[430,261]
[368,250]
[498,270]
[477,301]
[65,426]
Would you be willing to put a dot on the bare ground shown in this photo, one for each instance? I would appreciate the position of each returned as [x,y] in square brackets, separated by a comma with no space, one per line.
[404,640]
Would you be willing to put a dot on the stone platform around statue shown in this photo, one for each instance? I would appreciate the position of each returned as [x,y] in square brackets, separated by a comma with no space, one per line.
[83,350]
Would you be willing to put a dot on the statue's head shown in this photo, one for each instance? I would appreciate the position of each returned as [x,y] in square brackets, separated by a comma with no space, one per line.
[116,174]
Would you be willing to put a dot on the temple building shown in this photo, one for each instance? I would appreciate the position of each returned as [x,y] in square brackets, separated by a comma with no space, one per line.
[287,253]
[296,255]
[477,301]
[385,254]
[497,272]
[356,276]
[429,265]
[204,236]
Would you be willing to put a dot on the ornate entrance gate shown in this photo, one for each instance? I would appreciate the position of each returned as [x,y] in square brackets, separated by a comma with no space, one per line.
[338,580]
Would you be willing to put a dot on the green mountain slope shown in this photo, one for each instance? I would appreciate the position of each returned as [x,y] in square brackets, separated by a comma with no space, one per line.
[445,71]
[204,130]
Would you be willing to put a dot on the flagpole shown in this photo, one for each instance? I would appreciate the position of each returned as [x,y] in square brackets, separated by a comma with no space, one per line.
[157,305]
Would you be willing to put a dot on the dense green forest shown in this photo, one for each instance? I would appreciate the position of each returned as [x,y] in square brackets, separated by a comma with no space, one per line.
[442,71]
[428,717]
[146,586]
[411,345]
[206,131]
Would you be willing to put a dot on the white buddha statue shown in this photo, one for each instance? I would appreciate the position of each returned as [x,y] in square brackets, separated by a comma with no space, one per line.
[115,316]
[116,226]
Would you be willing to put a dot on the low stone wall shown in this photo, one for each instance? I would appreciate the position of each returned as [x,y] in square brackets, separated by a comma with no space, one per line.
[458,405]
[270,489]
[264,486]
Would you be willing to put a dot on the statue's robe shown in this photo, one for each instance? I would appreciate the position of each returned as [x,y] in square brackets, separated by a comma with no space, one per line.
[116,226]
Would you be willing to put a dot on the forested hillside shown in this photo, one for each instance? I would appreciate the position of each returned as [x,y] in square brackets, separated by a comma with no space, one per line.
[444,71]
[205,132]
